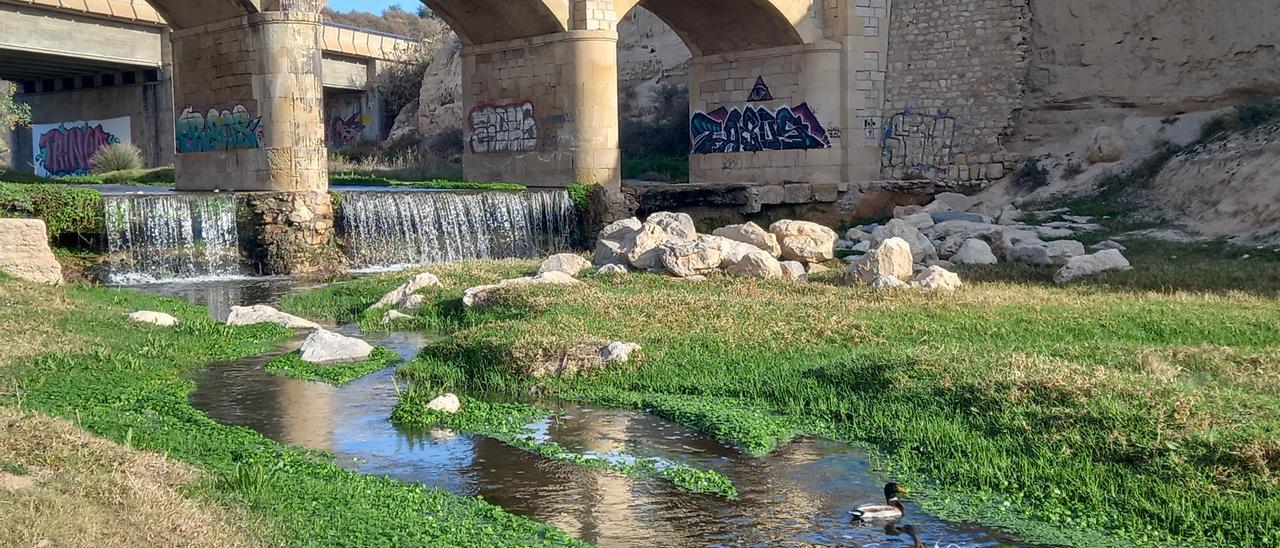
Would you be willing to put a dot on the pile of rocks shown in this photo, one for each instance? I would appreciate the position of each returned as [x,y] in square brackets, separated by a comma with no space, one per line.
[669,243]
[958,230]
[405,298]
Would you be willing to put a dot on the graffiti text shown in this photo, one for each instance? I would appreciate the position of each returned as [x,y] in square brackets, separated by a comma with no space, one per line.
[753,129]
[503,128]
[66,151]
[218,130]
[919,141]
[344,132]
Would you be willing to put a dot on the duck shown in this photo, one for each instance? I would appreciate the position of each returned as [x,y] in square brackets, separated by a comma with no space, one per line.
[892,510]
[909,530]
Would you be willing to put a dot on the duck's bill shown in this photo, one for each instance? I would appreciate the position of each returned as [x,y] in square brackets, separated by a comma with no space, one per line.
[903,490]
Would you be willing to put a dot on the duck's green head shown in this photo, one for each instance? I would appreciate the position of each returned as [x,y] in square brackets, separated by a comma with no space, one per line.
[892,490]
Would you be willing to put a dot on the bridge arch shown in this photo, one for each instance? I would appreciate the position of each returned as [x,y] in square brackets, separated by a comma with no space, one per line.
[712,27]
[491,21]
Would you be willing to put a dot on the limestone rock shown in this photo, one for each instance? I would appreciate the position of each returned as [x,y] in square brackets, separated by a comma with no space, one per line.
[950,235]
[620,230]
[793,271]
[154,318]
[261,313]
[399,297]
[393,316]
[888,282]
[758,264]
[448,403]
[25,252]
[1106,146]
[325,347]
[945,216]
[936,278]
[1054,232]
[1040,253]
[697,258]
[891,259]
[569,263]
[1009,215]
[1109,244]
[856,235]
[921,248]
[477,295]
[974,251]
[804,241]
[618,351]
[955,201]
[612,270]
[1013,237]
[413,303]
[920,220]
[753,234]
[815,268]
[659,229]
[1085,266]
[615,241]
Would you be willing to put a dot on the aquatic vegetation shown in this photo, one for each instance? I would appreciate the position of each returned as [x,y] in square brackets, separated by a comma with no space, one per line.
[291,365]
[128,383]
[509,423]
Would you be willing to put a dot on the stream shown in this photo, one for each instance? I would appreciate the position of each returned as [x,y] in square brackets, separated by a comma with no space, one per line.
[798,496]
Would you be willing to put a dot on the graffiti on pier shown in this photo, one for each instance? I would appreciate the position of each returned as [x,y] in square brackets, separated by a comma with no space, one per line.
[225,129]
[343,132]
[753,129]
[503,128]
[760,92]
[67,149]
[919,141]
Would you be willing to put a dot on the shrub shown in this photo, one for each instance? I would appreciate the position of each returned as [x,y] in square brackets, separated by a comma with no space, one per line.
[116,157]
[64,209]
[1254,113]
[1031,175]
[1073,170]
[580,193]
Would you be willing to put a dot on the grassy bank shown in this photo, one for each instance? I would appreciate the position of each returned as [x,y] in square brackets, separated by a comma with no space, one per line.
[77,359]
[1138,407]
[292,366]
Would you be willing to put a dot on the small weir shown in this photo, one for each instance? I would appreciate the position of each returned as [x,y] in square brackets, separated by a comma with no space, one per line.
[391,229]
[172,236]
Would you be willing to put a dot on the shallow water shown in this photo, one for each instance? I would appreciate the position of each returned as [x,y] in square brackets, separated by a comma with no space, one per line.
[798,496]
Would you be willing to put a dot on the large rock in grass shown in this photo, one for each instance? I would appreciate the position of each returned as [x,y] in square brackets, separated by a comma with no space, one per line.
[261,313]
[974,251]
[25,252]
[400,296]
[658,230]
[154,318]
[618,351]
[1086,266]
[615,240]
[1039,253]
[804,241]
[751,234]
[949,236]
[936,278]
[757,264]
[891,259]
[477,295]
[569,263]
[325,347]
[793,271]
[688,259]
[921,248]
[448,404]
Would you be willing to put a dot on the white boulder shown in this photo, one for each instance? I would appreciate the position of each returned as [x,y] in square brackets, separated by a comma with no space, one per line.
[261,313]
[976,252]
[936,278]
[618,351]
[154,318]
[891,259]
[325,347]
[752,234]
[399,297]
[612,270]
[697,258]
[448,403]
[1109,244]
[793,271]
[949,236]
[615,240]
[658,230]
[758,264]
[888,282]
[921,248]
[920,220]
[569,263]
[25,253]
[1040,253]
[394,315]
[477,295]
[804,241]
[1086,266]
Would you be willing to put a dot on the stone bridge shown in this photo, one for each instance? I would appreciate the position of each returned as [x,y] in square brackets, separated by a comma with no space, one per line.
[792,82]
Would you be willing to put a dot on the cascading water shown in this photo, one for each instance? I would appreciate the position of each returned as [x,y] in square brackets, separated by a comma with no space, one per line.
[172,237]
[385,230]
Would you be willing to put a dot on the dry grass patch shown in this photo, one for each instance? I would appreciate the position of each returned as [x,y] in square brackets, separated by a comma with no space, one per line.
[32,310]
[81,490]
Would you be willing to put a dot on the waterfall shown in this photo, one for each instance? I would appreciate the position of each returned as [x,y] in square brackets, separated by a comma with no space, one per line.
[392,229]
[172,237]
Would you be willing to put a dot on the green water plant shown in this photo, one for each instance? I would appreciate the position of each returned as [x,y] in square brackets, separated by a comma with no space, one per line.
[291,365]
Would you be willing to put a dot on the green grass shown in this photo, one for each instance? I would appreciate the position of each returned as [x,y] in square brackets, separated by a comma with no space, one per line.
[64,209]
[352,179]
[659,168]
[16,469]
[508,423]
[129,383]
[161,176]
[1137,407]
[291,365]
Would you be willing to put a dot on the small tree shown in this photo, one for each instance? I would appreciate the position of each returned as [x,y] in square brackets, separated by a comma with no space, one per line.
[12,114]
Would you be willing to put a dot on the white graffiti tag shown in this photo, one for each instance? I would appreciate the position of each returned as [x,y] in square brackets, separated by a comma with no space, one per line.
[503,128]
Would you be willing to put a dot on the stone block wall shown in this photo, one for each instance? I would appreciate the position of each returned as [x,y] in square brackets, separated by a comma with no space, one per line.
[767,116]
[249,104]
[954,89]
[543,110]
[291,233]
[147,105]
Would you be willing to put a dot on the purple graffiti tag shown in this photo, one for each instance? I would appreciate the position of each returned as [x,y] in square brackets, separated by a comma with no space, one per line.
[751,129]
[68,151]
[344,132]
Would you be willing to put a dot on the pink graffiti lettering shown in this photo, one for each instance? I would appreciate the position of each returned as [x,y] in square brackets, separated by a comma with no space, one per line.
[344,132]
[68,151]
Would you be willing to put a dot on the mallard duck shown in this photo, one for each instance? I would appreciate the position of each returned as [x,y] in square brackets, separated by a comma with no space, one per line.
[910,530]
[892,510]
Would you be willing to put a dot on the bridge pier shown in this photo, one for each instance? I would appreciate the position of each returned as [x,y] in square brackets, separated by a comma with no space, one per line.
[248,102]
